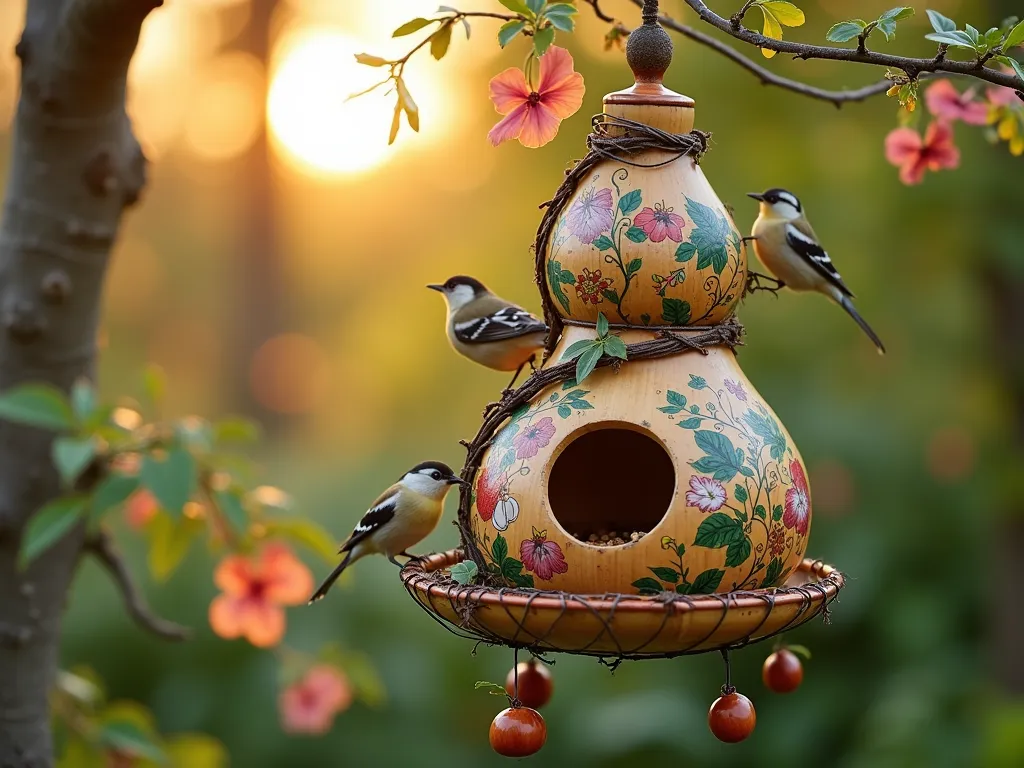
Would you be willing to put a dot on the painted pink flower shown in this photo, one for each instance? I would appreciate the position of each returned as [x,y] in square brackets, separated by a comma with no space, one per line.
[591,214]
[533,116]
[736,389]
[905,148]
[706,493]
[534,437]
[488,490]
[947,103]
[798,501]
[659,222]
[541,556]
[590,286]
[310,705]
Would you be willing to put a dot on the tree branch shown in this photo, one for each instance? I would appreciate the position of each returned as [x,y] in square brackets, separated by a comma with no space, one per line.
[102,547]
[767,77]
[913,67]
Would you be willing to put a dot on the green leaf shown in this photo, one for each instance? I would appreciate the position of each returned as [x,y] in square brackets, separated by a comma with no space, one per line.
[542,40]
[718,530]
[1017,67]
[603,243]
[172,481]
[697,382]
[648,586]
[577,348]
[307,533]
[671,410]
[611,296]
[636,234]
[681,549]
[765,427]
[508,31]
[507,460]
[409,27]
[71,455]
[516,6]
[230,505]
[845,31]
[777,512]
[588,361]
[111,492]
[47,526]
[564,411]
[236,430]
[786,13]
[760,511]
[675,311]
[37,405]
[801,650]
[685,252]
[898,13]
[169,542]
[370,60]
[939,22]
[614,346]
[511,568]
[645,319]
[560,9]
[887,27]
[499,549]
[128,738]
[493,688]
[582,405]
[676,398]
[630,201]
[740,494]
[955,39]
[464,572]
[690,423]
[707,582]
[440,41]
[561,21]
[722,461]
[994,37]
[710,236]
[634,266]
[554,283]
[1015,37]
[683,588]
[737,553]
[154,382]
[772,573]
[83,398]
[576,394]
[973,34]
[535,5]
[602,325]
[670,575]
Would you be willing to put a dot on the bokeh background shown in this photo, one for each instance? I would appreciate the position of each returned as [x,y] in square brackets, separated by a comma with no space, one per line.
[281,272]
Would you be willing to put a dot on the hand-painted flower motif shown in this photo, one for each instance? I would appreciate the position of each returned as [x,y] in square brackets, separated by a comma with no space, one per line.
[505,512]
[590,286]
[541,556]
[947,103]
[662,284]
[667,542]
[591,214]
[255,589]
[533,116]
[776,540]
[736,389]
[706,493]
[534,437]
[310,705]
[489,484]
[798,501]
[905,148]
[659,222]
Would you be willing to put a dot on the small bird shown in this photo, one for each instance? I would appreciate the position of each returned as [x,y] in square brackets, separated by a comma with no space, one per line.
[489,330]
[400,518]
[785,243]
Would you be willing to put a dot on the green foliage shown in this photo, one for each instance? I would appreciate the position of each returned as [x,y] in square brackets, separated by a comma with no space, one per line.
[47,526]
[171,477]
[721,459]
[508,32]
[464,572]
[37,405]
[557,277]
[777,14]
[710,236]
[969,38]
[675,311]
[71,455]
[588,352]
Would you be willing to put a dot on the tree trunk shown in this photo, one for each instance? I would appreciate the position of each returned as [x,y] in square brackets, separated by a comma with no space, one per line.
[75,166]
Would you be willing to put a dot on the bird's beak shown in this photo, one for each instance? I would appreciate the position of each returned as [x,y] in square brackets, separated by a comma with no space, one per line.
[453,480]
[755,195]
[436,287]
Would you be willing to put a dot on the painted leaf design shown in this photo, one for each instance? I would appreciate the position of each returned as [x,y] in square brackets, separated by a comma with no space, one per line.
[636,234]
[564,411]
[670,575]
[777,513]
[710,236]
[630,201]
[717,531]
[675,311]
[737,553]
[603,243]
[499,549]
[507,460]
[685,252]
[722,461]
[676,398]
[698,382]
[554,282]
[760,511]
[707,582]
[691,423]
[648,586]
[767,429]
[772,573]
[611,295]
[740,493]
[634,266]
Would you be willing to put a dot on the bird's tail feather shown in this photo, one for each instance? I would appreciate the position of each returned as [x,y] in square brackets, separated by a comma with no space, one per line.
[329,581]
[845,303]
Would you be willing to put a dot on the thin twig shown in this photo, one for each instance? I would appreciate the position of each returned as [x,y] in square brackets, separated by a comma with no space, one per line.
[102,547]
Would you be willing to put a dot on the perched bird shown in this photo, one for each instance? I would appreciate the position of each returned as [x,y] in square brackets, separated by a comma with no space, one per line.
[489,330]
[785,243]
[400,518]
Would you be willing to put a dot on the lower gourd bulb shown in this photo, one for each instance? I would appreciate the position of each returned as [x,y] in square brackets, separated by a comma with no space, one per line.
[518,732]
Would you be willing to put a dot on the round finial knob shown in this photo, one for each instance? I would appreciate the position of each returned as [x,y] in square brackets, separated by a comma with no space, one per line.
[649,48]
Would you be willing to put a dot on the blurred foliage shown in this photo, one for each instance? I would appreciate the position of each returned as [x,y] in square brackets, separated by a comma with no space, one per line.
[912,457]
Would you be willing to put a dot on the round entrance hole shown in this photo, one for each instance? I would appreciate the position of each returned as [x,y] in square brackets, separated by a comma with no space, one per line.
[613,483]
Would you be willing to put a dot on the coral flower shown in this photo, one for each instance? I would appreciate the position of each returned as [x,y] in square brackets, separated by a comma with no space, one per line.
[255,589]
[541,556]
[798,501]
[140,509]
[533,116]
[591,214]
[776,540]
[309,705]
[659,222]
[905,148]
[946,102]
[706,493]
[533,438]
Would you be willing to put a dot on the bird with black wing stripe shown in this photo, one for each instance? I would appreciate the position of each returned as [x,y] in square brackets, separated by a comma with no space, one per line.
[400,518]
[786,244]
[489,330]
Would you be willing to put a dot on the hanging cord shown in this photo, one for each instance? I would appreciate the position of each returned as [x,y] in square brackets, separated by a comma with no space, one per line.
[728,688]
[611,138]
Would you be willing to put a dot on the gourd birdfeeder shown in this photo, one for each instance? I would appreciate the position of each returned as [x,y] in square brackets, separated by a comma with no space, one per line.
[659,507]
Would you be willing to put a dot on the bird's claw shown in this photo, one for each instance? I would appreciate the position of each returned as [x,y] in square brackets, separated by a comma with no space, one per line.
[754,284]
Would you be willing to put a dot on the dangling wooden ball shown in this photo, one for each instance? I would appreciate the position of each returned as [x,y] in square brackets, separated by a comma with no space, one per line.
[732,717]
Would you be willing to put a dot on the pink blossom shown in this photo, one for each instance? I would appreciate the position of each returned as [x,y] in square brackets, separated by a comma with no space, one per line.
[310,705]
[905,148]
[534,437]
[947,103]
[798,501]
[706,493]
[541,556]
[737,389]
[591,214]
[1002,97]
[659,222]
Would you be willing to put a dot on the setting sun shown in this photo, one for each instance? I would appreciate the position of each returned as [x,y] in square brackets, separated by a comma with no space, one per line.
[310,119]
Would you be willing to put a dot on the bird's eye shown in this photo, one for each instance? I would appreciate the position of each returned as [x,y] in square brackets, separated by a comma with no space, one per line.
[449,286]
[436,475]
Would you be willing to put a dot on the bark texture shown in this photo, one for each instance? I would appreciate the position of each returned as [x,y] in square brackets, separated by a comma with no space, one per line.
[75,167]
